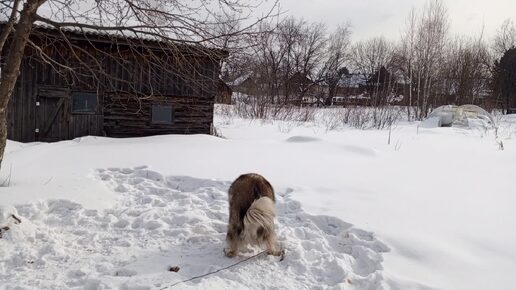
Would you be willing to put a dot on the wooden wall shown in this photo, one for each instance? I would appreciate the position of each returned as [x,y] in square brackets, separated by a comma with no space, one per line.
[41,102]
[126,88]
[128,116]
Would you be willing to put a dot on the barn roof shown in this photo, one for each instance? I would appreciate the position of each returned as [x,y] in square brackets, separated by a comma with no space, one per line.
[152,41]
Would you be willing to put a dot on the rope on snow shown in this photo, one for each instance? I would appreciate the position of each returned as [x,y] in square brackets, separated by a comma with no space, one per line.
[216,271]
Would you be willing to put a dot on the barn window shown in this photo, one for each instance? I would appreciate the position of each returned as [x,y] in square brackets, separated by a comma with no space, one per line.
[162,114]
[83,102]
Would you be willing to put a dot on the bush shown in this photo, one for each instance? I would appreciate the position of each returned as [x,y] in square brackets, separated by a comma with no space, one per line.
[255,108]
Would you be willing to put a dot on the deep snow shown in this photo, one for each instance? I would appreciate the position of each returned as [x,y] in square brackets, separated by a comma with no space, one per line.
[441,199]
[158,222]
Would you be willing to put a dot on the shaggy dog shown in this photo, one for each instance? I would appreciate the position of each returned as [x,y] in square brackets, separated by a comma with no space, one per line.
[251,214]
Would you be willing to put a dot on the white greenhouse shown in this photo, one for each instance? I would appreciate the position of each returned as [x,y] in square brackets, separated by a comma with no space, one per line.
[468,116]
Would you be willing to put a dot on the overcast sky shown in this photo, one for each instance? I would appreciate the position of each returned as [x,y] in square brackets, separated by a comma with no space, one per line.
[386,18]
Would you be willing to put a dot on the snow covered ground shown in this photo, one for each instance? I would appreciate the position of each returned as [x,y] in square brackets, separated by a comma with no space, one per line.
[434,209]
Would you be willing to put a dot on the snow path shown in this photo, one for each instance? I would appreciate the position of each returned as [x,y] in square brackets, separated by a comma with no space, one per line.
[159,222]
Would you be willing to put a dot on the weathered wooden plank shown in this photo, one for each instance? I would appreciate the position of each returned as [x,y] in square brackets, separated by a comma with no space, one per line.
[185,86]
[32,109]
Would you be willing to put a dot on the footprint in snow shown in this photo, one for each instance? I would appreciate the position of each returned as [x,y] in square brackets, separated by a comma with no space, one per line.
[161,222]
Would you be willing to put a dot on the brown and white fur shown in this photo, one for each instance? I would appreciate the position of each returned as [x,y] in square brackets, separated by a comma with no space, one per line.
[251,214]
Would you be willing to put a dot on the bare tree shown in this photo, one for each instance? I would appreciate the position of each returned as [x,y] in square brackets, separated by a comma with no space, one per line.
[505,38]
[422,54]
[403,57]
[171,23]
[337,55]
[370,55]
[467,70]
[432,34]
[309,52]
[372,59]
[10,72]
[231,41]
[289,36]
[268,58]
[297,59]
[310,47]
[286,58]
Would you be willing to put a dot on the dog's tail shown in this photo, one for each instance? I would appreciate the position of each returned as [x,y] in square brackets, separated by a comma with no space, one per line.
[259,219]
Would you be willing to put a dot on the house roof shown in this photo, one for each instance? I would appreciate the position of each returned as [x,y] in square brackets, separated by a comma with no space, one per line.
[300,78]
[353,81]
[240,80]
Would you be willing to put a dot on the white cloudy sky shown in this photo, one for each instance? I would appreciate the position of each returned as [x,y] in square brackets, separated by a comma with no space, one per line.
[371,18]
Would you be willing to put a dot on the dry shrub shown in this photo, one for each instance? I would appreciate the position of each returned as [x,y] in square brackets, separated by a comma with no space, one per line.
[256,108]
[360,117]
[248,107]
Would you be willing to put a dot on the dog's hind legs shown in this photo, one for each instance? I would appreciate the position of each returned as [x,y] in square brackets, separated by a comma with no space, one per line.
[232,243]
[272,245]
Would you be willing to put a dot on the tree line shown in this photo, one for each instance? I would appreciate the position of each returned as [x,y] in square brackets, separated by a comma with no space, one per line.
[284,59]
[288,61]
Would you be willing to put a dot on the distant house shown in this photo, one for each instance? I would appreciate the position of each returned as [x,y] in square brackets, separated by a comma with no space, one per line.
[133,97]
[352,83]
[224,93]
[299,83]
[353,100]
[351,90]
[380,88]
[312,101]
[301,90]
[243,83]
[248,85]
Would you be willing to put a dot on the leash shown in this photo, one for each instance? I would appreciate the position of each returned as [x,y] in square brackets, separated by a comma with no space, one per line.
[213,272]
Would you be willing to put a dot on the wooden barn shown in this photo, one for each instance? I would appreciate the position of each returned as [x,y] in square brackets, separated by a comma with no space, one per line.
[75,83]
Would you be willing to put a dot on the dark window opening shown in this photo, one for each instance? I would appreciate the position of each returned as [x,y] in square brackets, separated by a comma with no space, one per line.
[84,102]
[162,114]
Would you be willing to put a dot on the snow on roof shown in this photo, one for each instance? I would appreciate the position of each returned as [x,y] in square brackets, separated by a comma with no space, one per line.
[352,81]
[239,80]
[393,98]
[87,12]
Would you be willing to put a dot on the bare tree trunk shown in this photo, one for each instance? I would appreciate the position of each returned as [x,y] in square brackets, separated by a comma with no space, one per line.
[410,90]
[418,107]
[9,25]
[425,95]
[12,67]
